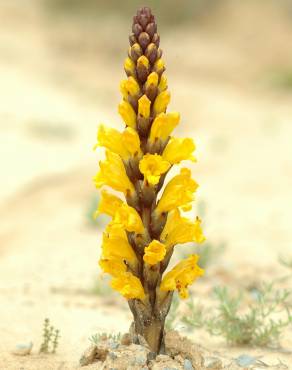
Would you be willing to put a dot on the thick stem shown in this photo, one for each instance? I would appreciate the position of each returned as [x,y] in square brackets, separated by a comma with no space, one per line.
[149,321]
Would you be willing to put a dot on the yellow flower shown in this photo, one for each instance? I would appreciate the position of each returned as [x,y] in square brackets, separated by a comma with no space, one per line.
[152,166]
[180,230]
[112,266]
[129,87]
[129,66]
[128,285]
[108,204]
[182,275]
[161,102]
[112,173]
[178,192]
[159,66]
[111,139]
[129,218]
[163,125]
[131,141]
[127,113]
[178,150]
[144,106]
[163,83]
[115,244]
[154,253]
[152,79]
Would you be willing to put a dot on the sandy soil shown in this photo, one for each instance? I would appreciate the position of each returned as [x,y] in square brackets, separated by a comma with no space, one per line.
[54,90]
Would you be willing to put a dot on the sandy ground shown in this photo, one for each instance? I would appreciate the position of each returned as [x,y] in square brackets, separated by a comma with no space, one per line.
[52,97]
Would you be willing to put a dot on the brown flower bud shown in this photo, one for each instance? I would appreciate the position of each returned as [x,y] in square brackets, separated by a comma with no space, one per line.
[135,52]
[137,29]
[151,92]
[144,40]
[142,68]
[151,29]
[151,53]
[143,20]
[156,39]
[132,39]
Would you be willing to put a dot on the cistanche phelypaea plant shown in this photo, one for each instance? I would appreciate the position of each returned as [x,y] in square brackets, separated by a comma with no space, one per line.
[138,243]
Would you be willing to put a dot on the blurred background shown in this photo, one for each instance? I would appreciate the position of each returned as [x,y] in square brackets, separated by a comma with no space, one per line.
[229,66]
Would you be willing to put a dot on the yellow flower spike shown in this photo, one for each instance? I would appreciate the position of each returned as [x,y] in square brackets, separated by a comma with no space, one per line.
[159,66]
[131,141]
[143,61]
[129,87]
[111,139]
[128,285]
[181,276]
[178,192]
[163,125]
[115,244]
[129,66]
[152,80]
[178,150]
[161,102]
[129,218]
[163,83]
[154,253]
[127,113]
[112,173]
[180,230]
[152,166]
[112,266]
[144,106]
[108,204]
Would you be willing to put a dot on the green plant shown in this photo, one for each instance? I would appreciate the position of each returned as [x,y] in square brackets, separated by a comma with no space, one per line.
[51,338]
[195,317]
[259,324]
[286,262]
[96,338]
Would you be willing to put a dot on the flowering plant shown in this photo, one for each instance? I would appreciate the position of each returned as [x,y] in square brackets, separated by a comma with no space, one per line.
[139,241]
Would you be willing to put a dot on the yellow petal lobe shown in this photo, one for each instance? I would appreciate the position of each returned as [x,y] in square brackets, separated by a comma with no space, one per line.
[129,67]
[144,106]
[111,139]
[152,79]
[162,86]
[161,102]
[128,285]
[182,275]
[127,113]
[129,218]
[108,204]
[163,125]
[180,230]
[178,192]
[131,141]
[112,173]
[178,150]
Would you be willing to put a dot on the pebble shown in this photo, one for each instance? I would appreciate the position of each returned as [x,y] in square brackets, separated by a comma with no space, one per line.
[141,359]
[213,363]
[23,349]
[112,355]
[113,345]
[188,365]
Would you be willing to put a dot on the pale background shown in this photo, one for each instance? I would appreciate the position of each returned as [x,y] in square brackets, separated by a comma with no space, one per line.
[229,66]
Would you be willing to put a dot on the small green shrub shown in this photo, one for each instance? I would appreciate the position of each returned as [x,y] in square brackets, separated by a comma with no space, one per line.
[259,324]
[51,338]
